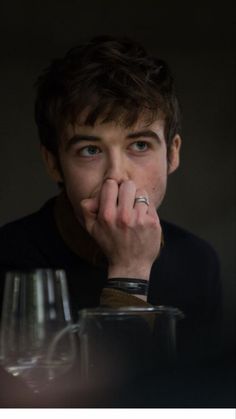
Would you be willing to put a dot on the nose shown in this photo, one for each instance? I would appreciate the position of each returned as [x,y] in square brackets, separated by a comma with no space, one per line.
[117,168]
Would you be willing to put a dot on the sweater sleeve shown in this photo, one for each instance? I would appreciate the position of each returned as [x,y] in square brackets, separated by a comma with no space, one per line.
[115,298]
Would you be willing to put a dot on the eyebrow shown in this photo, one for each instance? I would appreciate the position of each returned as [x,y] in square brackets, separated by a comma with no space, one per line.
[144,134]
[133,135]
[80,137]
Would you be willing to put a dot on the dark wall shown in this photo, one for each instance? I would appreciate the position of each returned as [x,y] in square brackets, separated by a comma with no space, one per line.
[197,39]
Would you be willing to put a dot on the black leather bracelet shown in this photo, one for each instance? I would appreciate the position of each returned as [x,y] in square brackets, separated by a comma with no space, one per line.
[132,286]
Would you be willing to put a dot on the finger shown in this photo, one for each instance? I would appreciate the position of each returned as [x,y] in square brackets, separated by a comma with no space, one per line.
[89,209]
[140,206]
[126,196]
[152,211]
[108,199]
[90,205]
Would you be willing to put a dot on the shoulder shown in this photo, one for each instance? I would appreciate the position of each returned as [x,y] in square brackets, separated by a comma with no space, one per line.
[25,224]
[18,239]
[182,240]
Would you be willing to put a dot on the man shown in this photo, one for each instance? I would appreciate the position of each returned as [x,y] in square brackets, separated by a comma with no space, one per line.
[109,125]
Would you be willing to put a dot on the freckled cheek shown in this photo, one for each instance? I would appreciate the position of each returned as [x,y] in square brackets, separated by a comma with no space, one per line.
[156,187]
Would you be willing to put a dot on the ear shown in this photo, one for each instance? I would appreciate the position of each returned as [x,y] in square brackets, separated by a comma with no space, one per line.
[174,154]
[51,163]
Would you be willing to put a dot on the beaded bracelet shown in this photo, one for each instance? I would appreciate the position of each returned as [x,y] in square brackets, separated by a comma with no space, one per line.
[132,286]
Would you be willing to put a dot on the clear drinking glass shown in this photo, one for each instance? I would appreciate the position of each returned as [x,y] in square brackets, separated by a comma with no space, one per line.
[35,308]
[120,344]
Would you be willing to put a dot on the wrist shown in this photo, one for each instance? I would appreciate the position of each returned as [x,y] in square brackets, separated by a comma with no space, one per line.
[134,286]
[129,272]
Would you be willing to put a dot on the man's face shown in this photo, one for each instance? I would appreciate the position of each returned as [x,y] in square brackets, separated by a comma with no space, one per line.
[90,154]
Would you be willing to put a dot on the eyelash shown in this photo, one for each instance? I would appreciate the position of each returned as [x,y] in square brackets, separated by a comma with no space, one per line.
[145,143]
[98,150]
[86,148]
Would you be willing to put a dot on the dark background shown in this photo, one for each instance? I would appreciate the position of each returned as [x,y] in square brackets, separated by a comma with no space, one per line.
[198,41]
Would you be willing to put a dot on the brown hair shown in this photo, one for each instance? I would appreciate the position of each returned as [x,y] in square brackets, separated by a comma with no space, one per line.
[115,79]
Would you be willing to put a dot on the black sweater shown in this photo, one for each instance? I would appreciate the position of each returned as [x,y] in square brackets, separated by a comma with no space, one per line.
[186,275]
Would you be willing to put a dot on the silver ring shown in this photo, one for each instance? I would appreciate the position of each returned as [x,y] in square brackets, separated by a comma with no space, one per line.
[142,199]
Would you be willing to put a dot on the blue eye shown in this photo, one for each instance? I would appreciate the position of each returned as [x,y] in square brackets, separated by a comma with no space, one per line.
[140,146]
[90,150]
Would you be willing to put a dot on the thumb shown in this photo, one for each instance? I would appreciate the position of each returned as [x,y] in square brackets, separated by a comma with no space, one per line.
[89,206]
[89,209]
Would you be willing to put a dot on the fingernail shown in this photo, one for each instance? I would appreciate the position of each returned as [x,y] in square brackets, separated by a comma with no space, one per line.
[109,180]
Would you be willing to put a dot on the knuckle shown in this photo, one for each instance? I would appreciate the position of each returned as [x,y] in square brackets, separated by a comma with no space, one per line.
[124,219]
[141,222]
[106,216]
[155,223]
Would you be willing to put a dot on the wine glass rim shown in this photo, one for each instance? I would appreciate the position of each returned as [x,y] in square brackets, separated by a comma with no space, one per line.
[127,310]
[33,271]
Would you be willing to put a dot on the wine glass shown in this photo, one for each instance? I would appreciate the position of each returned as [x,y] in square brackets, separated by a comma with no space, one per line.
[35,309]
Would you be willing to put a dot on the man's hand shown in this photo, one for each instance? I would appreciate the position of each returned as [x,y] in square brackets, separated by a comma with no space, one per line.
[129,233]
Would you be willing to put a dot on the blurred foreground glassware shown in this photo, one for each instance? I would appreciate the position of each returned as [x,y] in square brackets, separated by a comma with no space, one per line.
[35,308]
[118,344]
